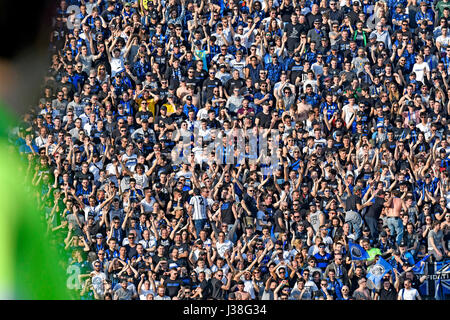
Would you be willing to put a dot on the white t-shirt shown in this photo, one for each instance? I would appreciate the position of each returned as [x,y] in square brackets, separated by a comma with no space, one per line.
[420,69]
[238,65]
[222,247]
[117,64]
[141,180]
[111,170]
[129,161]
[148,206]
[97,282]
[148,244]
[144,294]
[443,41]
[348,113]
[408,294]
[200,205]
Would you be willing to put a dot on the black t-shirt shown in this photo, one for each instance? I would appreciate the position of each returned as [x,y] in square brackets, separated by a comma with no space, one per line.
[200,76]
[156,259]
[182,248]
[251,204]
[286,13]
[233,83]
[343,45]
[144,115]
[216,289]
[293,33]
[227,213]
[310,17]
[264,119]
[163,121]
[214,124]
[80,176]
[131,251]
[374,210]
[209,85]
[390,294]
[178,118]
[351,202]
[166,243]
[277,228]
[172,287]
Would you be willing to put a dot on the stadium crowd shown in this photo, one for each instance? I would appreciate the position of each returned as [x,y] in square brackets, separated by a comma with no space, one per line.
[139,152]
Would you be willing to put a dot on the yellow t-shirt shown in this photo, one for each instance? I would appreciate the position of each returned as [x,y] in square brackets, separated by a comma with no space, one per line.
[170,108]
[151,105]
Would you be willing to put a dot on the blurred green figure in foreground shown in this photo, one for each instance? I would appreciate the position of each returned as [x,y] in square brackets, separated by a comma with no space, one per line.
[30,268]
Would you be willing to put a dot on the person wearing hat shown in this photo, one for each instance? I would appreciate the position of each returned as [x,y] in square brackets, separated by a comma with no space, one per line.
[385,244]
[237,46]
[399,17]
[99,241]
[274,70]
[425,14]
[200,53]
[295,68]
[315,34]
[403,258]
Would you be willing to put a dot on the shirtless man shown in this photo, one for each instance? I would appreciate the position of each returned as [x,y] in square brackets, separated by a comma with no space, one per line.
[241,294]
[393,206]
[303,109]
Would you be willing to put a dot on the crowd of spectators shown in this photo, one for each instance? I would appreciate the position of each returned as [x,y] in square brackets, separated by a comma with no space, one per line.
[353,96]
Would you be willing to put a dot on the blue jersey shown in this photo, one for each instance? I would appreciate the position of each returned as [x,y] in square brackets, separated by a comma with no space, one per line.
[274,72]
[322,261]
[313,99]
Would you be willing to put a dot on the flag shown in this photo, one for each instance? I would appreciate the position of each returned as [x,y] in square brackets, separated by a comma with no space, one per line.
[442,283]
[357,252]
[377,272]
[419,266]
